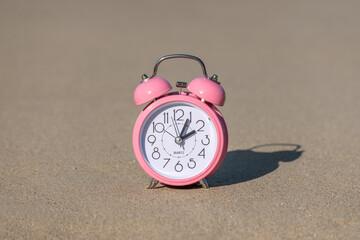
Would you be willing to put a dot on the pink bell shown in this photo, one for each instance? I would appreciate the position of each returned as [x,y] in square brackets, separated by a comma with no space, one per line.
[150,89]
[207,89]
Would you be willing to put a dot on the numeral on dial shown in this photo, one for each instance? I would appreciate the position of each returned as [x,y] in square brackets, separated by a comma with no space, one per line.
[191,164]
[151,139]
[167,161]
[202,153]
[158,127]
[156,155]
[202,124]
[178,167]
[178,112]
[206,141]
[166,117]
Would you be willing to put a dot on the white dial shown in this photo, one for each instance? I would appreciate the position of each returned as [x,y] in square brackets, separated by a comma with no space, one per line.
[178,140]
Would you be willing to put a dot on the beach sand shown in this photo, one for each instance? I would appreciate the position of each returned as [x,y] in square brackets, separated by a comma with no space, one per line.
[291,73]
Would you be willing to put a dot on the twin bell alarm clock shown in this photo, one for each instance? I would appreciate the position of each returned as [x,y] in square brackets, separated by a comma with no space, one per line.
[180,138]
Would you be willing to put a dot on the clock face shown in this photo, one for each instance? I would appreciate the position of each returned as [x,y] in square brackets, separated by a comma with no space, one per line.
[178,140]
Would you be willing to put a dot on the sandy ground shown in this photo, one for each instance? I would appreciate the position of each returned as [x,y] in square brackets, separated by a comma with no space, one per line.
[291,71]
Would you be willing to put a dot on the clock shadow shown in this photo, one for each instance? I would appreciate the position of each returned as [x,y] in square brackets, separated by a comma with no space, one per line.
[245,165]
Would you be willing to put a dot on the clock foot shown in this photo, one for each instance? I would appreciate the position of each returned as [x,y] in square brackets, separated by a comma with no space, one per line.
[153,183]
[204,183]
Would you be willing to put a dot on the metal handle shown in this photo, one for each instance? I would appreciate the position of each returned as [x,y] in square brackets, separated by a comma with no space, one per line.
[179,56]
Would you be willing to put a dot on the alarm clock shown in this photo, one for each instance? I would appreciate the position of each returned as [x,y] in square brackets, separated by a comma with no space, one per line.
[180,138]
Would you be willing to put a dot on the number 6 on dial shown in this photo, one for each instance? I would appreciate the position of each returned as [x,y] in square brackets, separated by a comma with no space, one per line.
[180,138]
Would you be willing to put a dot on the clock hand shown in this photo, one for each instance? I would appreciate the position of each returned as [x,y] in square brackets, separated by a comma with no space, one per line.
[178,139]
[184,128]
[175,126]
[182,133]
[169,133]
[188,134]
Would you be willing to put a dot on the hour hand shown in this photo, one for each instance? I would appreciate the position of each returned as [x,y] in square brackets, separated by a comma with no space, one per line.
[188,134]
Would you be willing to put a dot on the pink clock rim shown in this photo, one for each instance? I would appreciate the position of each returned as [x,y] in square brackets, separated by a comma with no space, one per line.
[218,157]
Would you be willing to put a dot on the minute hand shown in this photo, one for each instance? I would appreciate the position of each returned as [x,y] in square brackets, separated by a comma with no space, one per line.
[188,134]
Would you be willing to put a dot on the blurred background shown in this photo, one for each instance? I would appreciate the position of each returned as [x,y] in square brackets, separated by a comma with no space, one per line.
[290,70]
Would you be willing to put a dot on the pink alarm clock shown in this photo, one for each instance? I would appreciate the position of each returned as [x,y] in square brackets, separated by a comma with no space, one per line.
[180,138]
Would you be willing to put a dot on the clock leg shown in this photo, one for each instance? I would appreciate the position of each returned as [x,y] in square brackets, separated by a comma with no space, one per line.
[153,183]
[204,183]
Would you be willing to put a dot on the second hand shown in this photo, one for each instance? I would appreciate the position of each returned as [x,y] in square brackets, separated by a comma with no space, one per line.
[175,126]
[169,133]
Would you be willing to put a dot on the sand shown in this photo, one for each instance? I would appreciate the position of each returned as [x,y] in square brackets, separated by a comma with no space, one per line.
[291,73]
